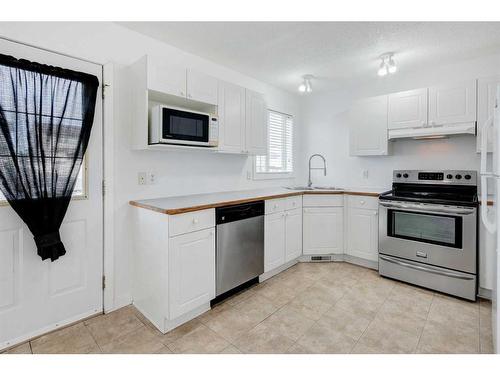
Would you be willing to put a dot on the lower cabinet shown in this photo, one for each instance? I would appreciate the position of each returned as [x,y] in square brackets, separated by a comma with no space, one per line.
[282,234]
[323,230]
[191,271]
[362,233]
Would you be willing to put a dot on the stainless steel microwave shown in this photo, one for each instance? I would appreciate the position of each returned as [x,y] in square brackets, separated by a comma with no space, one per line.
[173,125]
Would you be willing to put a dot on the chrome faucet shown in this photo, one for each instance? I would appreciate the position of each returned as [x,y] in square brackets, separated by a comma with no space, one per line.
[309,183]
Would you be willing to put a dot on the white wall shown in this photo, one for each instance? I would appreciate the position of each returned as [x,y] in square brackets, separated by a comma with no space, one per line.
[325,129]
[178,172]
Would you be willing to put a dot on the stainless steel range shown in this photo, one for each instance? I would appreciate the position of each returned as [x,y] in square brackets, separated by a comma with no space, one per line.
[428,230]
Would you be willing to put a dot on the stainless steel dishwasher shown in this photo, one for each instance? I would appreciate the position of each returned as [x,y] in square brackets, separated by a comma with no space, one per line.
[240,244]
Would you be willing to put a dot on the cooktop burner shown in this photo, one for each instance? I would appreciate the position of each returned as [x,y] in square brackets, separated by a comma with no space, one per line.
[439,187]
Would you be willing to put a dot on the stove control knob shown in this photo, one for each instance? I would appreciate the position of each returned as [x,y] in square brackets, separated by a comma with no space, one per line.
[467,176]
[449,176]
[458,176]
[405,175]
[398,175]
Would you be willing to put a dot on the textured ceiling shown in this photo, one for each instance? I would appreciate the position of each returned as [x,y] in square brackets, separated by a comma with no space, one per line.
[336,53]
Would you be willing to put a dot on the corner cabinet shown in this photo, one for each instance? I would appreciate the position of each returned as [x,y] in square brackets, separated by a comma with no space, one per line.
[368,127]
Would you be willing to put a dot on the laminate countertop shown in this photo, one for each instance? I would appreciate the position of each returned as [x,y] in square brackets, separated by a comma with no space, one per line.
[195,202]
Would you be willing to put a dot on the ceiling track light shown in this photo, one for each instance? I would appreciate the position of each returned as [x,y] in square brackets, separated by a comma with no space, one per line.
[306,86]
[387,64]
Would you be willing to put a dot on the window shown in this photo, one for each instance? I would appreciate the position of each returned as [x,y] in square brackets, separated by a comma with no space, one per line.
[279,159]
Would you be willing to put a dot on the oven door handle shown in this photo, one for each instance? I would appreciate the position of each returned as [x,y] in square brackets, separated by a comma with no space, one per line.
[426,269]
[437,210]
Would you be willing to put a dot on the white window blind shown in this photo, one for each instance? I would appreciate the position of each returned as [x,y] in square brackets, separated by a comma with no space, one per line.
[279,158]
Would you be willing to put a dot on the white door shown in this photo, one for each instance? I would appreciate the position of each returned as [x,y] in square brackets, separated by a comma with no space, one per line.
[408,109]
[486,101]
[165,77]
[231,110]
[191,271]
[293,232]
[368,127]
[201,87]
[452,103]
[256,123]
[37,296]
[274,241]
[362,233]
[323,230]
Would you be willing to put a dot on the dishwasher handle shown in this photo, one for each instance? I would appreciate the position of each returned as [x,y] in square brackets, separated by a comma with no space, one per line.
[228,214]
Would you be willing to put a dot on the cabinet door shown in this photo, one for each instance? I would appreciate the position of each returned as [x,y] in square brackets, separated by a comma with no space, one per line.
[201,87]
[407,109]
[368,127]
[166,78]
[256,124]
[293,232]
[452,103]
[362,233]
[323,230]
[191,271]
[231,118]
[486,102]
[274,241]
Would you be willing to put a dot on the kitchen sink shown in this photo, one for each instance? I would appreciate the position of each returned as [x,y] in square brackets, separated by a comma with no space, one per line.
[330,188]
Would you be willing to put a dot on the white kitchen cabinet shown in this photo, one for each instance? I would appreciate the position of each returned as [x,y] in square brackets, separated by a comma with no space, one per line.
[165,77]
[256,124]
[323,230]
[362,233]
[368,127]
[293,231]
[452,103]
[407,109]
[201,87]
[486,102]
[191,271]
[231,110]
[274,240]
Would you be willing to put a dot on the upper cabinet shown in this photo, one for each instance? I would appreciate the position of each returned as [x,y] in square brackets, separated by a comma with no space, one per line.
[232,104]
[201,87]
[368,127]
[407,109]
[256,123]
[452,103]
[486,102]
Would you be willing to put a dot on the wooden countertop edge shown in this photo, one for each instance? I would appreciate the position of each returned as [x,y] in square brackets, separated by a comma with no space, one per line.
[177,211]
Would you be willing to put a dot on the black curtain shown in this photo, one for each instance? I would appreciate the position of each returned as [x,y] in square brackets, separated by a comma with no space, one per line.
[46,115]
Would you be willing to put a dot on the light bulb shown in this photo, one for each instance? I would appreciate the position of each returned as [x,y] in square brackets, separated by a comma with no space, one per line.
[392,66]
[382,70]
[302,87]
[308,86]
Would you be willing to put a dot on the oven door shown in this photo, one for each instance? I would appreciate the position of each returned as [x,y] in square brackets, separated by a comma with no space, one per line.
[444,236]
[183,127]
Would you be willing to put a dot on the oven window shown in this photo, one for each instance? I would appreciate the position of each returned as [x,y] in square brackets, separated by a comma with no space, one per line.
[185,126]
[430,228]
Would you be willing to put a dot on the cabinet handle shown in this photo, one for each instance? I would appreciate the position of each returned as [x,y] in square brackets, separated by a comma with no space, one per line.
[195,221]
[275,206]
[361,202]
[189,95]
[182,93]
[375,213]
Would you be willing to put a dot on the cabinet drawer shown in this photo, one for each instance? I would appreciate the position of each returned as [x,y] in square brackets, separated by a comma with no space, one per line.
[323,200]
[275,205]
[362,201]
[294,202]
[191,222]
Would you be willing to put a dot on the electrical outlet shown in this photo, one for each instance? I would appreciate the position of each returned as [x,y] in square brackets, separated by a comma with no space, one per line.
[365,173]
[151,178]
[249,175]
[141,178]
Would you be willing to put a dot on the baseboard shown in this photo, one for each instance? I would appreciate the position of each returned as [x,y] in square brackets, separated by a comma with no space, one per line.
[174,323]
[120,302]
[361,262]
[269,274]
[484,293]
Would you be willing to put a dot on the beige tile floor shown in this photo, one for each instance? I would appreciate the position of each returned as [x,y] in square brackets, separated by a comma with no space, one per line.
[309,308]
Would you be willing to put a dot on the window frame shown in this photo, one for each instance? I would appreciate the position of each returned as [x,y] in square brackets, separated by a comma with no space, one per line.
[271,175]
